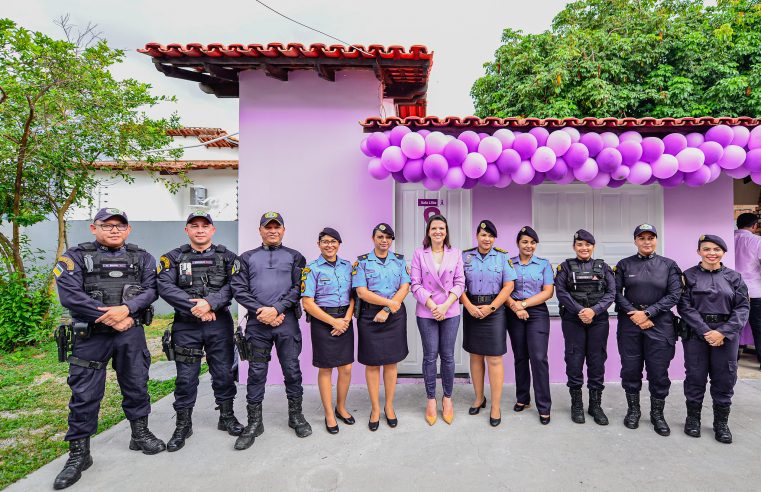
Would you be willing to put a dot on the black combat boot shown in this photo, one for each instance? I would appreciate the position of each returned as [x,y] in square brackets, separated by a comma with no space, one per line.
[577,406]
[143,439]
[79,461]
[633,413]
[595,407]
[720,426]
[656,417]
[227,420]
[692,423]
[182,431]
[254,429]
[296,420]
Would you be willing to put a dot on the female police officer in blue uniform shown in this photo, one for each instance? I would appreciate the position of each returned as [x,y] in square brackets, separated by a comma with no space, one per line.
[489,280]
[326,296]
[586,288]
[647,287]
[382,281]
[715,307]
[529,324]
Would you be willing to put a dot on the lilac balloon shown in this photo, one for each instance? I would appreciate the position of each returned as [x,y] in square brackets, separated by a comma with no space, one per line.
[483,135]
[673,181]
[524,174]
[715,172]
[544,159]
[471,139]
[695,139]
[435,142]
[568,178]
[413,170]
[376,169]
[559,170]
[652,149]
[690,160]
[435,166]
[449,138]
[393,159]
[364,149]
[397,133]
[665,167]
[541,134]
[756,177]
[424,133]
[631,152]
[712,150]
[490,177]
[753,161]
[738,172]
[455,151]
[639,173]
[432,184]
[631,135]
[754,141]
[650,181]
[593,142]
[525,144]
[573,132]
[474,165]
[741,136]
[674,143]
[609,139]
[377,143]
[490,148]
[609,159]
[508,161]
[577,155]
[506,137]
[733,157]
[455,178]
[399,177]
[504,181]
[413,145]
[721,134]
[698,178]
[559,141]
[587,171]
[469,183]
[616,183]
[621,173]
[537,179]
[599,181]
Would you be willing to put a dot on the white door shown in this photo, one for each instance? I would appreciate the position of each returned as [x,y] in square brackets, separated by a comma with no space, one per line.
[414,204]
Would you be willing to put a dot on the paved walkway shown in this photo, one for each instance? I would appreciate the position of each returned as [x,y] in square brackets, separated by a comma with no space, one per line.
[521,454]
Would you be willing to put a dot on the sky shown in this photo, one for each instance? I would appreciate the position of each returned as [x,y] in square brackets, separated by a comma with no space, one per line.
[462,35]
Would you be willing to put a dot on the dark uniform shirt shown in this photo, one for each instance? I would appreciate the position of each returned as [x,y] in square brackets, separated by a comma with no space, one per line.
[70,281]
[564,283]
[168,275]
[268,276]
[647,283]
[719,291]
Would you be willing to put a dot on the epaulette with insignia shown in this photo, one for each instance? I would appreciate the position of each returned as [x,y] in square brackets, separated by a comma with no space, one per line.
[500,250]
[560,266]
[363,257]
[400,256]
[510,262]
[470,249]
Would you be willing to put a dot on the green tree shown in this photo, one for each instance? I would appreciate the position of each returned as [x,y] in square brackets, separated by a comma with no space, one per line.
[630,58]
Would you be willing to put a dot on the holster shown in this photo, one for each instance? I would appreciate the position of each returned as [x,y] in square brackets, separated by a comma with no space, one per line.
[241,344]
[63,341]
[681,329]
[166,344]
[65,337]
[187,355]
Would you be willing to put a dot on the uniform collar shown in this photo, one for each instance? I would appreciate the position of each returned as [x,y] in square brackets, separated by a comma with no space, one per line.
[517,260]
[648,257]
[373,257]
[194,251]
[271,248]
[103,247]
[490,253]
[321,260]
[721,268]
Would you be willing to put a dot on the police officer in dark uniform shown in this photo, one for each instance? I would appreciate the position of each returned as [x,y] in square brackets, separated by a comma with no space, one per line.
[586,288]
[715,307]
[647,287]
[195,280]
[266,281]
[108,287]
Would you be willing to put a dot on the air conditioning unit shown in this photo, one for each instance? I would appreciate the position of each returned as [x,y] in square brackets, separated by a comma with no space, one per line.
[197,196]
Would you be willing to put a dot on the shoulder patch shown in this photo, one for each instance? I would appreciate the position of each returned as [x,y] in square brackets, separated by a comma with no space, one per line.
[164,261]
[614,268]
[560,266]
[510,262]
[67,261]
[401,257]
[236,267]
[354,268]
[57,271]
[500,250]
[303,285]
[306,270]
[470,249]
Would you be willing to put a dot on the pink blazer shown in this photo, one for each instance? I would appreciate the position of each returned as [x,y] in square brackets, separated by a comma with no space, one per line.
[427,282]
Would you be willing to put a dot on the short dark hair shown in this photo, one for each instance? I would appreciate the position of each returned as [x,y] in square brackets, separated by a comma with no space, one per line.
[746,220]
[427,238]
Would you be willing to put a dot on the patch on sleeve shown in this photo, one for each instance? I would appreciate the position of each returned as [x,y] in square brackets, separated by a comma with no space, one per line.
[165,262]
[354,268]
[235,268]
[303,286]
[614,268]
[66,261]
[510,262]
[560,266]
[57,271]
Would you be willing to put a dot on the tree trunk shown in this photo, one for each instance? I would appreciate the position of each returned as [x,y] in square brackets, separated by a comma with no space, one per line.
[61,222]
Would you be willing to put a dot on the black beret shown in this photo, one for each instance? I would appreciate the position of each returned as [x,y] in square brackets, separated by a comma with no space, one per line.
[645,228]
[329,231]
[527,231]
[385,229]
[710,238]
[488,226]
[582,235]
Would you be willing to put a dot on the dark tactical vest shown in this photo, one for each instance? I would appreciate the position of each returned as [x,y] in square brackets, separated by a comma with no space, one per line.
[200,276]
[112,279]
[586,288]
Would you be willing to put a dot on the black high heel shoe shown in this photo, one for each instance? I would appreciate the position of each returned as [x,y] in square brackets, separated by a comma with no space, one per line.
[373,426]
[519,407]
[391,422]
[544,420]
[331,430]
[495,422]
[475,410]
[346,420]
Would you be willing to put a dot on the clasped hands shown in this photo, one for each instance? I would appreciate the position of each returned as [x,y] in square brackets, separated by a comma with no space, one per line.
[640,319]
[714,338]
[382,315]
[340,325]
[117,317]
[269,316]
[480,311]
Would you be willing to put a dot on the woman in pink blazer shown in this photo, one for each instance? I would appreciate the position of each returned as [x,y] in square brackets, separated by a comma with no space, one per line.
[437,282]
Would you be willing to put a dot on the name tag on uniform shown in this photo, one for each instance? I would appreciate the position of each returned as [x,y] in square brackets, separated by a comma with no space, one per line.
[114,266]
[205,261]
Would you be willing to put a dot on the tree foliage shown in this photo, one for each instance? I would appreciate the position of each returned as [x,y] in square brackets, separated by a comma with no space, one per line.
[630,58]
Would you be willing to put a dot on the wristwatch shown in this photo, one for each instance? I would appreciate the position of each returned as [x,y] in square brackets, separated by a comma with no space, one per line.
[492,308]
[523,304]
[387,309]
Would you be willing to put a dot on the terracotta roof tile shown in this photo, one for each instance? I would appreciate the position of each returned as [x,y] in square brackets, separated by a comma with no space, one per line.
[169,166]
[194,131]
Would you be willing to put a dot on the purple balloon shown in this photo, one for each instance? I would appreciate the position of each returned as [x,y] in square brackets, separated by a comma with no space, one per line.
[474,165]
[630,136]
[469,183]
[639,173]
[599,181]
[665,167]
[490,177]
[455,151]
[397,133]
[712,150]
[631,152]
[377,143]
[393,159]
[733,157]
[577,155]
[490,148]
[537,179]
[616,183]
[721,134]
[508,161]
[587,171]
[715,171]
[738,172]
[413,170]
[754,141]
[376,169]
[525,144]
[432,184]
[424,133]
[506,137]
[364,149]
[756,177]
[573,132]
[413,145]
[674,143]
[455,178]
[544,159]
[471,139]
[698,178]
[690,160]
[399,177]
[559,170]
[435,142]
[559,141]
[652,149]
[609,139]
[673,181]
[524,174]
[695,139]
[568,178]
[753,161]
[609,159]
[621,173]
[741,136]
[593,142]
[650,181]
[435,166]
[483,135]
[541,134]
[504,181]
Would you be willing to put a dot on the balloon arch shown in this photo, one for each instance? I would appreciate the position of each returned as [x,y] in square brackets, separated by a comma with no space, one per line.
[562,156]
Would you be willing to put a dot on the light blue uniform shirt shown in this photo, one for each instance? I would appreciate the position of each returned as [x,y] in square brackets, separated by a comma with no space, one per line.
[531,277]
[329,285]
[384,278]
[484,276]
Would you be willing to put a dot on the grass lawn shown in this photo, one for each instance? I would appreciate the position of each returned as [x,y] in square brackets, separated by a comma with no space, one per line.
[33,404]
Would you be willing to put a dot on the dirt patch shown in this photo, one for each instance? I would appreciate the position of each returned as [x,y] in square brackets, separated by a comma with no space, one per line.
[46,376]
[20,413]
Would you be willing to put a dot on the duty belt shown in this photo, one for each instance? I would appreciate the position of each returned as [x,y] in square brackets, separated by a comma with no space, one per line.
[340,310]
[641,307]
[715,318]
[481,300]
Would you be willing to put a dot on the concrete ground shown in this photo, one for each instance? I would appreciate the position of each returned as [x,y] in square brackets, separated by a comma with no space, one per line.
[468,455]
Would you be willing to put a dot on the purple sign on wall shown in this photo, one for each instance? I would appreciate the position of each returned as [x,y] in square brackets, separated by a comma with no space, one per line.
[428,202]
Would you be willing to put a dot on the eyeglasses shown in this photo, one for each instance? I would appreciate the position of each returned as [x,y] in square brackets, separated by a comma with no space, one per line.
[110,227]
[324,242]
